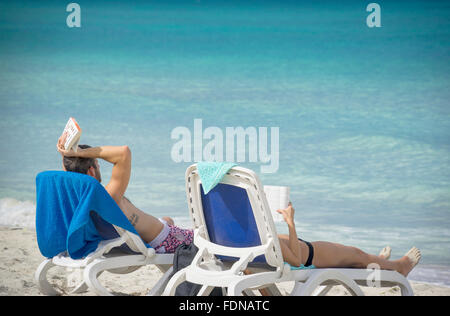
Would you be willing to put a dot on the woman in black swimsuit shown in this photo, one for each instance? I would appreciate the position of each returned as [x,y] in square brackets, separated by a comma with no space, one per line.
[322,254]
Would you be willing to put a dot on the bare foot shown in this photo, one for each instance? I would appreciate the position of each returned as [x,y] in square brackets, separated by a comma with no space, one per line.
[409,261]
[385,253]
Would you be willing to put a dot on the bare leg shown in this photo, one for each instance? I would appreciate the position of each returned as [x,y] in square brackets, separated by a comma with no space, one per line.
[328,255]
[333,255]
[147,226]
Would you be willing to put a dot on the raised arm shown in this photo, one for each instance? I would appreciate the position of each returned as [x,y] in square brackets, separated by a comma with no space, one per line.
[291,253]
[119,156]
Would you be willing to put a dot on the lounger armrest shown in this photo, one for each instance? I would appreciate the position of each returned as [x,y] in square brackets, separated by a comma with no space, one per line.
[135,242]
[216,249]
[63,259]
[105,246]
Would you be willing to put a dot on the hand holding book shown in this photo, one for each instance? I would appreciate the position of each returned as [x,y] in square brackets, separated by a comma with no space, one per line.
[67,143]
[288,214]
[61,148]
[278,199]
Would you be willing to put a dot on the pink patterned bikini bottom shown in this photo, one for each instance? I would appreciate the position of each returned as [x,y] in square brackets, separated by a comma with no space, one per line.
[175,237]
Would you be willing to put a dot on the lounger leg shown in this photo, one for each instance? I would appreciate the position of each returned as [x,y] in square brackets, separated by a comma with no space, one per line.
[41,278]
[248,292]
[388,279]
[93,270]
[319,277]
[273,290]
[205,290]
[80,288]
[405,287]
[164,267]
[159,287]
[91,274]
[322,290]
[258,280]
[176,280]
[406,290]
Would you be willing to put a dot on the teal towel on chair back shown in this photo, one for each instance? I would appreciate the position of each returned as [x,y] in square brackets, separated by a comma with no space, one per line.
[212,172]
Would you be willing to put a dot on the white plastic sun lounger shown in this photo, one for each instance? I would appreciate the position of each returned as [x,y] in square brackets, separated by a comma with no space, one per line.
[107,257]
[234,231]
[119,251]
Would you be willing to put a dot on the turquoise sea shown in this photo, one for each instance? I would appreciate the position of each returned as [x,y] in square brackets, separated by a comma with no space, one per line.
[363,113]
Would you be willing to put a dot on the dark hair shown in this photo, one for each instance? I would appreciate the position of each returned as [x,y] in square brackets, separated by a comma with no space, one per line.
[77,164]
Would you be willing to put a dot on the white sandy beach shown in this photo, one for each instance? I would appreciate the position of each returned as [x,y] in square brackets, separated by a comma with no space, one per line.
[20,256]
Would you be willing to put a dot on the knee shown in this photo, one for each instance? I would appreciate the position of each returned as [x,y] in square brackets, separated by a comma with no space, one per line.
[169,220]
[361,258]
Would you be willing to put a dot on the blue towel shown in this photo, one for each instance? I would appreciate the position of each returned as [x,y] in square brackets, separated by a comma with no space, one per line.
[212,172]
[64,203]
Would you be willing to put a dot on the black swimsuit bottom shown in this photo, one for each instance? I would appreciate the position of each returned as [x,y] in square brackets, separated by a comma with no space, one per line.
[311,253]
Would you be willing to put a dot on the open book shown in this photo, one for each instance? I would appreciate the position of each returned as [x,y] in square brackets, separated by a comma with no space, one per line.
[73,132]
[278,198]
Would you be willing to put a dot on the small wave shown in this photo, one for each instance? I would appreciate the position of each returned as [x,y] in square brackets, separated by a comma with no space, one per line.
[432,274]
[17,213]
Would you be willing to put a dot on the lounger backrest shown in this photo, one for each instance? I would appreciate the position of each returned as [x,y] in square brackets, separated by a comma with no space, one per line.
[235,213]
[229,218]
[106,230]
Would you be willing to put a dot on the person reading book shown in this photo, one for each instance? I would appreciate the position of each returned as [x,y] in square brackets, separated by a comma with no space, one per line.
[323,254]
[161,234]
[164,236]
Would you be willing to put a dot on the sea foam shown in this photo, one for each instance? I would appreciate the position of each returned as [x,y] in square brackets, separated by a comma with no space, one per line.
[17,213]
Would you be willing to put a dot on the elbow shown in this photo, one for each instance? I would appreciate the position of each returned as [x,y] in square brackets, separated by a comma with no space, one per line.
[126,153]
[126,150]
